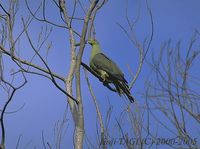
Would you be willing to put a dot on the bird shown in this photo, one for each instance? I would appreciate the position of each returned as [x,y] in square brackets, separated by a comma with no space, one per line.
[108,70]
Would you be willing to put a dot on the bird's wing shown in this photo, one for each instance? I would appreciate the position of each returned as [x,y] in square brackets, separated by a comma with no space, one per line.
[104,63]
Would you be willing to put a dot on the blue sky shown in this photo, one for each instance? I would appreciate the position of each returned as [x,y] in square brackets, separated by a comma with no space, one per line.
[44,104]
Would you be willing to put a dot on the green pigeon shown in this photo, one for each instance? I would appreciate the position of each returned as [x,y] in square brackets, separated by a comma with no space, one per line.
[108,70]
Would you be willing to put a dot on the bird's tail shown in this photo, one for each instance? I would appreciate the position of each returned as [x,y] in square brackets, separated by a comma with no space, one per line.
[122,88]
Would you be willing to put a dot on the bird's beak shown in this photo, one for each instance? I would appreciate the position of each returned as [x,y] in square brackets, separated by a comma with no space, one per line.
[90,41]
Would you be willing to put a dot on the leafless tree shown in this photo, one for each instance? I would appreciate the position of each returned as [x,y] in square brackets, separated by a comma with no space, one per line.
[173,92]
[170,93]
[10,48]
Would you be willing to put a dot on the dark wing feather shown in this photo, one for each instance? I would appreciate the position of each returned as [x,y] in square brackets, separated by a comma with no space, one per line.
[102,62]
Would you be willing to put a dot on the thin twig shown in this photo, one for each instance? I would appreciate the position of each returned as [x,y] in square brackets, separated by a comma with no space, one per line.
[99,115]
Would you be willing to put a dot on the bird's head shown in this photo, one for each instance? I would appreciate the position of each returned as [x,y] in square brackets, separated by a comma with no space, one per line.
[93,42]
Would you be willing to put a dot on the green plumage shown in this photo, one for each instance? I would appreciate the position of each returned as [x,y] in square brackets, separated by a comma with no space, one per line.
[108,70]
